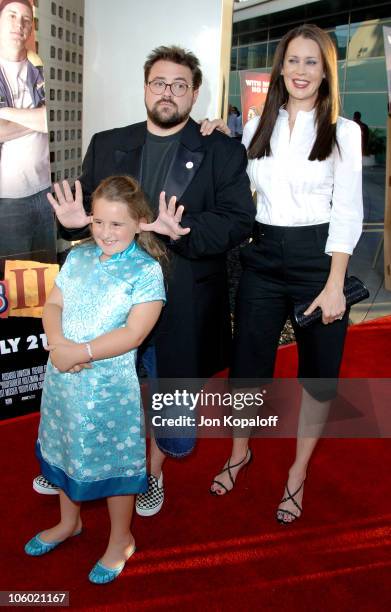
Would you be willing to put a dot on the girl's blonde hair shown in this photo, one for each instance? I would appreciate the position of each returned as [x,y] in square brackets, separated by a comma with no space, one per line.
[126,190]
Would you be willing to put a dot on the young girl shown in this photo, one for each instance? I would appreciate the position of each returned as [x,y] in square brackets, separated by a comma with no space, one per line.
[107,298]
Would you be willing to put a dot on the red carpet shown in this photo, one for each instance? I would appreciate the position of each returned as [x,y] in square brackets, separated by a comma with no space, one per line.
[229,553]
[367,352]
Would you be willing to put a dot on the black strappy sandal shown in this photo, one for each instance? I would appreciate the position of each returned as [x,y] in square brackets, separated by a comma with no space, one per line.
[291,497]
[228,469]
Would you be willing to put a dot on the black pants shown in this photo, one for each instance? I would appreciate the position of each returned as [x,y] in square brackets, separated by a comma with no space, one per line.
[281,267]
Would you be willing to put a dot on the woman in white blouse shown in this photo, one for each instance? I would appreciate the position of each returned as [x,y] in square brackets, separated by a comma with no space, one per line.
[305,165]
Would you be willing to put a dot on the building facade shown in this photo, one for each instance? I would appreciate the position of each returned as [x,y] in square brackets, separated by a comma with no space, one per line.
[356,26]
[59,32]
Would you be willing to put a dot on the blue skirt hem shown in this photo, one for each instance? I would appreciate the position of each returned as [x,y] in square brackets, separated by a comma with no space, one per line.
[86,491]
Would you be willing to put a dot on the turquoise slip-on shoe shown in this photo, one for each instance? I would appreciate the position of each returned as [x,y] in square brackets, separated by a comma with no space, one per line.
[37,547]
[100,574]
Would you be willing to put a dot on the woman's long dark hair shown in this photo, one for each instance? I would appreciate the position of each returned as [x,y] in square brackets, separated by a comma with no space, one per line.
[327,103]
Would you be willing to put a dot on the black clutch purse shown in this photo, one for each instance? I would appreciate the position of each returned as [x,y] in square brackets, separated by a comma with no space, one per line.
[355,291]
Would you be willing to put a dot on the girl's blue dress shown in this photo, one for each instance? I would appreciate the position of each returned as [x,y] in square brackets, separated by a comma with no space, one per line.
[91,441]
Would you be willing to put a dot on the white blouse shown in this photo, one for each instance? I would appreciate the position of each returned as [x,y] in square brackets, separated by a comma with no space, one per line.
[292,191]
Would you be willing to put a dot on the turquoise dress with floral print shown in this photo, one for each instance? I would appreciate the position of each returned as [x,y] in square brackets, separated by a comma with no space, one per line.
[91,437]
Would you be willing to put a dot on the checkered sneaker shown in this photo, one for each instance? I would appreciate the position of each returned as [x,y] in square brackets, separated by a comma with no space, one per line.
[149,503]
[43,486]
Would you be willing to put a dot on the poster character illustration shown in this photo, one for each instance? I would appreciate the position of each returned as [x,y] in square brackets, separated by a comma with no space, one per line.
[27,228]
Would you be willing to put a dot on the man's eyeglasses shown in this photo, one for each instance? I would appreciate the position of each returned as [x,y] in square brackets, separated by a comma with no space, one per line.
[177,88]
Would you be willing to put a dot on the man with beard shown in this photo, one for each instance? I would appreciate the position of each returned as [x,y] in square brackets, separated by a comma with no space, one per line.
[207,175]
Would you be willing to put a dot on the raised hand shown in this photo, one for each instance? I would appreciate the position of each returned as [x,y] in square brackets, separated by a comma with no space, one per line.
[208,126]
[69,210]
[168,221]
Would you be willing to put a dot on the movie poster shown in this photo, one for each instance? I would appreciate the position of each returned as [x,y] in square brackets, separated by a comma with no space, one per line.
[253,90]
[27,226]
